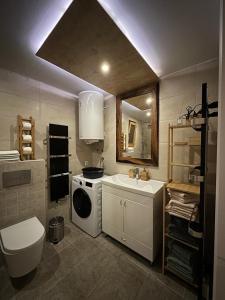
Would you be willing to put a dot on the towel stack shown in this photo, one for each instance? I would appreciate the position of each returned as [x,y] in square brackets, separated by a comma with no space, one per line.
[9,155]
[178,228]
[183,205]
[183,261]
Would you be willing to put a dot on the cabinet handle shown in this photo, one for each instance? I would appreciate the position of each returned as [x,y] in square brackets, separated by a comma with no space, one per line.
[121,202]
[125,204]
[123,239]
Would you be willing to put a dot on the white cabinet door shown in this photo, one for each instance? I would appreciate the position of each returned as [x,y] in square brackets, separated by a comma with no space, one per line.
[112,215]
[138,227]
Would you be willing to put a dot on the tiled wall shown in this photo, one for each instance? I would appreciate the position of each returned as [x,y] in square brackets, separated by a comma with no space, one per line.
[20,202]
[21,95]
[176,93]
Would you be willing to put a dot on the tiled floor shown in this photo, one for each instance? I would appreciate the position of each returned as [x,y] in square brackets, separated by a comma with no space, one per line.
[81,267]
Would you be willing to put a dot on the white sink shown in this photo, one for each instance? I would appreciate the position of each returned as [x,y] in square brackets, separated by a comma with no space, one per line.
[147,188]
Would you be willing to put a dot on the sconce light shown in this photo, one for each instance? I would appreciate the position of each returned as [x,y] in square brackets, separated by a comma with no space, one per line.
[149,100]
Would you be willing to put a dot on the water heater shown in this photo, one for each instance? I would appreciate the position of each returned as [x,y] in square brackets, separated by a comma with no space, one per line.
[91,116]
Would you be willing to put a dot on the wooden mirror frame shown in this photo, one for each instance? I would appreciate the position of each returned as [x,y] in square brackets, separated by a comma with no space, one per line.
[153,161]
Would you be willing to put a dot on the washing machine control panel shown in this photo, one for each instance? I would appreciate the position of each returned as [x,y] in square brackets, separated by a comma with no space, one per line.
[83,183]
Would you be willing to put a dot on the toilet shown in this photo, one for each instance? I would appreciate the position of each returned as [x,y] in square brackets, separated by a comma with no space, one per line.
[22,246]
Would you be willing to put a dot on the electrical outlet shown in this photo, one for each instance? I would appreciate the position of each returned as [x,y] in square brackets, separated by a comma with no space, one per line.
[86,163]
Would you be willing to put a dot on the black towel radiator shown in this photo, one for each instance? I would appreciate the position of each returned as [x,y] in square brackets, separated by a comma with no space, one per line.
[58,161]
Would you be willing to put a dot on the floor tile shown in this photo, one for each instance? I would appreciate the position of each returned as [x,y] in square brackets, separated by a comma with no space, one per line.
[122,281]
[153,289]
[86,268]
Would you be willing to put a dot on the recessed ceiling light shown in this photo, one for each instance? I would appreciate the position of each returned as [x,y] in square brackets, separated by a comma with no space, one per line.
[105,67]
[149,100]
[148,114]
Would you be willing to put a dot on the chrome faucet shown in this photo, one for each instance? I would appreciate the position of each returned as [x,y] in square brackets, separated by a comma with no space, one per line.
[137,173]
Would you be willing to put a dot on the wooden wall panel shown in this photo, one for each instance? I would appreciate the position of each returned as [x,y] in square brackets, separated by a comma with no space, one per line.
[84,38]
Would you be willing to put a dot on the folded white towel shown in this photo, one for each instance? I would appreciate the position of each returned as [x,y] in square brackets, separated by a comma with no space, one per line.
[9,152]
[27,150]
[183,197]
[9,159]
[9,156]
[178,203]
[27,138]
[26,125]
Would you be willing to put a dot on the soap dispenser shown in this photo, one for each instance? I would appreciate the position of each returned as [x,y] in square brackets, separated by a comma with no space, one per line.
[145,175]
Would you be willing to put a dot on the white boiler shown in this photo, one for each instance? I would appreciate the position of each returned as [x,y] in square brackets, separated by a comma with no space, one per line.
[91,116]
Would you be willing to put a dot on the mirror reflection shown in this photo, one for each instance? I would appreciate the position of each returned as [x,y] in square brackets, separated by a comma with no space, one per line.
[136,126]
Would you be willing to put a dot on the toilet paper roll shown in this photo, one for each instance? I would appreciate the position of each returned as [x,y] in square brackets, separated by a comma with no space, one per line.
[27,138]
[26,125]
[27,150]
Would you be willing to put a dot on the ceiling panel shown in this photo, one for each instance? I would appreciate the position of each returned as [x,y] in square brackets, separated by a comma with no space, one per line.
[86,37]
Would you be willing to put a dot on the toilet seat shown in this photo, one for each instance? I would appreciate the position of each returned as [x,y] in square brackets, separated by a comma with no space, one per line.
[21,236]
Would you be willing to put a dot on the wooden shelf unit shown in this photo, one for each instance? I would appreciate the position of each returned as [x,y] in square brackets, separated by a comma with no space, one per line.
[201,125]
[21,142]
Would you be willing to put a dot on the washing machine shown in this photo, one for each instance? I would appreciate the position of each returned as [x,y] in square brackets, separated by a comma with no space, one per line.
[87,204]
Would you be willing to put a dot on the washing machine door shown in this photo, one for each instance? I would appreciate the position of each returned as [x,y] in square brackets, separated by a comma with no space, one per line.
[82,203]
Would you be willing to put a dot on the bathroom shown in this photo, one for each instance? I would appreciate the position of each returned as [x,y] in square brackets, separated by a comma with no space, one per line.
[48,62]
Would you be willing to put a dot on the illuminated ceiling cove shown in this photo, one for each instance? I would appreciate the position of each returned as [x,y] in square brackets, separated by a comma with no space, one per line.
[170,35]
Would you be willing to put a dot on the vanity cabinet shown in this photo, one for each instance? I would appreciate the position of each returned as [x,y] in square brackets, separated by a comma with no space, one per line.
[133,219]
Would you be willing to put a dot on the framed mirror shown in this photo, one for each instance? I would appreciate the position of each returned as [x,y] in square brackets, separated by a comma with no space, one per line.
[137,114]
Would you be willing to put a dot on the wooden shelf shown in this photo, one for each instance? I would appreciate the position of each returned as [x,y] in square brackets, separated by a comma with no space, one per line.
[196,122]
[179,144]
[184,145]
[182,242]
[183,165]
[180,126]
[181,277]
[184,187]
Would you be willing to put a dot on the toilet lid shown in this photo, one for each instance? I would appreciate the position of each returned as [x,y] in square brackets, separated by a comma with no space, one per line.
[22,235]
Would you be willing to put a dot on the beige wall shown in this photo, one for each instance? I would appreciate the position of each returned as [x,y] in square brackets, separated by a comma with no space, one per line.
[21,95]
[176,92]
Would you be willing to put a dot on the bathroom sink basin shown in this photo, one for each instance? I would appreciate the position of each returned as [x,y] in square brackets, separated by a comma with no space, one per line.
[122,181]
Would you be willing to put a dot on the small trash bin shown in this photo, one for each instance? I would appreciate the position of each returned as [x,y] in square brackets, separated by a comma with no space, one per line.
[56,229]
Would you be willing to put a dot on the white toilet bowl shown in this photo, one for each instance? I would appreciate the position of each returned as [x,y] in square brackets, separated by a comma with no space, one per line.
[22,246]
